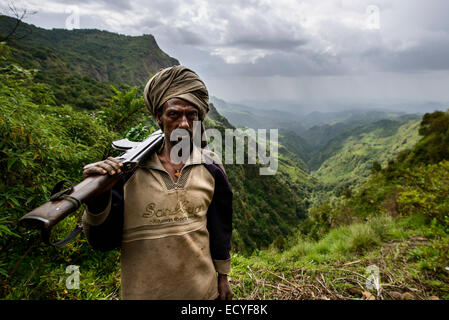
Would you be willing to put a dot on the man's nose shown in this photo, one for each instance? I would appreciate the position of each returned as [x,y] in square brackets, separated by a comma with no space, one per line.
[184,124]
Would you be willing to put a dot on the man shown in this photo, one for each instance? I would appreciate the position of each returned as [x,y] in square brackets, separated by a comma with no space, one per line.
[173,221]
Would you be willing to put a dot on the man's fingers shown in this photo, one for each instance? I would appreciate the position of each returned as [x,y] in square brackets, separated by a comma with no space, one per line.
[113,164]
[90,165]
[96,170]
[115,161]
[108,160]
[93,171]
[107,167]
[110,165]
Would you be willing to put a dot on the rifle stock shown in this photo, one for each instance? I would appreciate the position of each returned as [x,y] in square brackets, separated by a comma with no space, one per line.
[46,216]
[52,212]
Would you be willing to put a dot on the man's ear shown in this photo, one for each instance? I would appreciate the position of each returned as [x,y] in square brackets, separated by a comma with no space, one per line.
[158,119]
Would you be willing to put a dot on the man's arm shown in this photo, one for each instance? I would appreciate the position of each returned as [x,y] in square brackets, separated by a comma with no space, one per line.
[103,216]
[103,219]
[219,225]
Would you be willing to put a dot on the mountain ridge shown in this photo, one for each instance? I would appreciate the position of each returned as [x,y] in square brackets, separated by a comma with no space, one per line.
[82,64]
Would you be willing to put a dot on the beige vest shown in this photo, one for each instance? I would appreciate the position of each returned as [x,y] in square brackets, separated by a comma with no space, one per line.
[165,248]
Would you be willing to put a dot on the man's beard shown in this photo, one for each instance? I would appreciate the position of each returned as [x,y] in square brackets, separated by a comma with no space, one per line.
[179,146]
[180,138]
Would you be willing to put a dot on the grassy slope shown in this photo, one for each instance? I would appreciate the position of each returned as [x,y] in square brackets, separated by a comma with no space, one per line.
[336,267]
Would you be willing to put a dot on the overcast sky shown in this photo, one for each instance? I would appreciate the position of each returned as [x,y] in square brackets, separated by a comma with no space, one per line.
[312,52]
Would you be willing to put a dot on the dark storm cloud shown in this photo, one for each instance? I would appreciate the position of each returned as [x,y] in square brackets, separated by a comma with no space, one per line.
[282,64]
[187,37]
[286,37]
[428,56]
[259,43]
[298,41]
[112,4]
[277,44]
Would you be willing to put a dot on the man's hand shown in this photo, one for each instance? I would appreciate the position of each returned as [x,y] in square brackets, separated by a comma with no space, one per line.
[224,289]
[109,166]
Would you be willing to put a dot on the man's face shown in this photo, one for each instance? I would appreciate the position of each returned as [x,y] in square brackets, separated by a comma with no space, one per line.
[177,114]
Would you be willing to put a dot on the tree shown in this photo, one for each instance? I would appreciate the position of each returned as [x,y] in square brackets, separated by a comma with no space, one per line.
[14,33]
[376,167]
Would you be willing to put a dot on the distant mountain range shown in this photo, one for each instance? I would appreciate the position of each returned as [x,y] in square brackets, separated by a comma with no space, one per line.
[339,147]
[277,117]
[303,108]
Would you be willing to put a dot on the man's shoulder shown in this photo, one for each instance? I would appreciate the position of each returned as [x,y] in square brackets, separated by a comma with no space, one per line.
[214,165]
[213,162]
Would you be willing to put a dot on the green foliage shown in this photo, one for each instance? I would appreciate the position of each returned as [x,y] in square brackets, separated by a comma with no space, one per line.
[280,243]
[139,132]
[318,222]
[41,143]
[123,109]
[427,192]
[434,145]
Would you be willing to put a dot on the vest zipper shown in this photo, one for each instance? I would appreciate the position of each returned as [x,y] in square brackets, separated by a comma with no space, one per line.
[169,175]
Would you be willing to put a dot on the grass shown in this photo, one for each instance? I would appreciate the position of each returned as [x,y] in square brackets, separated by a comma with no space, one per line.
[336,267]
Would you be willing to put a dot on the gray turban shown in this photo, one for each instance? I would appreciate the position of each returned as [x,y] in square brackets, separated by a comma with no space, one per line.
[176,82]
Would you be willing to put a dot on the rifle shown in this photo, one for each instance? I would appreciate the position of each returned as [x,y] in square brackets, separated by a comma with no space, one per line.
[64,202]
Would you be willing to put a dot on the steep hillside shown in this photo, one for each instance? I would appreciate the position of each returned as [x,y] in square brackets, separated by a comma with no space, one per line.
[349,160]
[80,64]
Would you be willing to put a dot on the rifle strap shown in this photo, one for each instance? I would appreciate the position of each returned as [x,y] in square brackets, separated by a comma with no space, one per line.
[73,200]
[76,231]
[58,190]
[58,193]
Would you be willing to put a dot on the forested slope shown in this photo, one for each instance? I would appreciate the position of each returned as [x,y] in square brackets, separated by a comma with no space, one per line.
[80,64]
[350,158]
